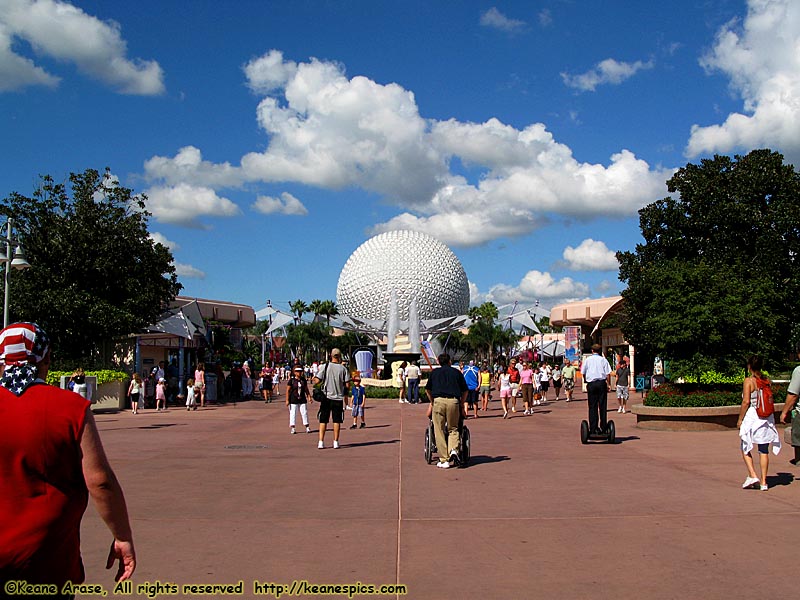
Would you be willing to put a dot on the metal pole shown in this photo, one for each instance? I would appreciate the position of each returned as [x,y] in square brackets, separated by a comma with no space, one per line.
[7,275]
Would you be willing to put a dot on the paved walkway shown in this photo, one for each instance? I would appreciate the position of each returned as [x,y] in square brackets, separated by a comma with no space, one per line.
[225,494]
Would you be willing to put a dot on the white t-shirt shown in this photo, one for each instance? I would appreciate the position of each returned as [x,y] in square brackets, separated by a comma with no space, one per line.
[505,381]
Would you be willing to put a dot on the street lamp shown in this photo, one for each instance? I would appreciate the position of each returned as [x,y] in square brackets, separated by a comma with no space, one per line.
[15,261]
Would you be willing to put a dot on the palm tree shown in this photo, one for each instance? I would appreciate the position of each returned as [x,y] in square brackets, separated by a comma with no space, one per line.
[298,307]
[316,308]
[329,309]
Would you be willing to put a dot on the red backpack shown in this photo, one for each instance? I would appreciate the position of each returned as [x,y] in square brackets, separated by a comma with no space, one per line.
[764,404]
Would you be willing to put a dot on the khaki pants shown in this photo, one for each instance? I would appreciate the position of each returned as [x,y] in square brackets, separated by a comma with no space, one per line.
[446,410]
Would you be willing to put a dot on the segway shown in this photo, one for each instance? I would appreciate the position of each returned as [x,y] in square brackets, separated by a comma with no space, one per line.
[609,435]
[463,451]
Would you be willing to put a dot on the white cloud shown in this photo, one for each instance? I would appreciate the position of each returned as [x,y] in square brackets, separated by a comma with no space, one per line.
[328,131]
[183,204]
[285,205]
[62,31]
[188,166]
[189,271]
[269,72]
[762,59]
[590,256]
[160,238]
[496,20]
[604,287]
[608,71]
[535,285]
[17,72]
[545,17]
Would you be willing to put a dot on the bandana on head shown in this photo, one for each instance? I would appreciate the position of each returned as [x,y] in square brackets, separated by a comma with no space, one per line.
[22,346]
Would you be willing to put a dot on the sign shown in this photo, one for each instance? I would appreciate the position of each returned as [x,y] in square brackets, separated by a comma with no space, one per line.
[572,343]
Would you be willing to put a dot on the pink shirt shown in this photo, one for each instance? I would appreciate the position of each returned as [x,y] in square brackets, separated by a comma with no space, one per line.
[526,376]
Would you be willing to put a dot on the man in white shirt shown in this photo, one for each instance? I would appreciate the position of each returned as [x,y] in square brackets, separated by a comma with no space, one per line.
[596,372]
[412,382]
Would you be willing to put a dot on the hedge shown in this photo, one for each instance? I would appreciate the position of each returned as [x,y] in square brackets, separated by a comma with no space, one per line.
[684,395]
[105,376]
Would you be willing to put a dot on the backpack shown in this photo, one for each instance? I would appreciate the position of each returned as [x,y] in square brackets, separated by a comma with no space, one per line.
[764,403]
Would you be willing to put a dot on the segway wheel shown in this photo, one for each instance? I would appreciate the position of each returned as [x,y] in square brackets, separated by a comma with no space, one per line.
[465,447]
[611,432]
[584,432]
[428,448]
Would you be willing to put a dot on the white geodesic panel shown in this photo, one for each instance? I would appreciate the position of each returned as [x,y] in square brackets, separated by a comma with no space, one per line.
[413,263]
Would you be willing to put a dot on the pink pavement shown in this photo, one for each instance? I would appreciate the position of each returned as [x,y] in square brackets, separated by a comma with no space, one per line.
[226,494]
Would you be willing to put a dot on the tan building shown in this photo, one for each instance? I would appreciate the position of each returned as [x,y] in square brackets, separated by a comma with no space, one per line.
[180,338]
[591,315]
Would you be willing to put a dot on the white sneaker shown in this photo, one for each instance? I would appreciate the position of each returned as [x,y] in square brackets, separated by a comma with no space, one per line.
[321,445]
[750,482]
[335,444]
[292,431]
[308,429]
[526,412]
[443,465]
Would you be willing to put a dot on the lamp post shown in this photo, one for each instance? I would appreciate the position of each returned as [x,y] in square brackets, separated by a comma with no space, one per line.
[17,261]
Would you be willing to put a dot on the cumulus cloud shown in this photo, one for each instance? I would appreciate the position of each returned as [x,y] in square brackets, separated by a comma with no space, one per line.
[331,131]
[160,238]
[494,19]
[188,166]
[608,71]
[188,271]
[64,32]
[17,72]
[534,286]
[270,72]
[762,60]
[285,205]
[184,204]
[590,256]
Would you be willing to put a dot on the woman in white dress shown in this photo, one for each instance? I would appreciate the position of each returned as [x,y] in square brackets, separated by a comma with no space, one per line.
[754,430]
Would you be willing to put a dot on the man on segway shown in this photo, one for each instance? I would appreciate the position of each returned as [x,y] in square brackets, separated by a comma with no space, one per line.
[447,392]
[596,371]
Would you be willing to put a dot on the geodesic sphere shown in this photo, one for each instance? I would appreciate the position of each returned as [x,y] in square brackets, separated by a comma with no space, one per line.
[414,264]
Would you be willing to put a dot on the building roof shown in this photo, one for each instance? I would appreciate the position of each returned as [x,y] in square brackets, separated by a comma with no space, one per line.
[229,313]
[585,312]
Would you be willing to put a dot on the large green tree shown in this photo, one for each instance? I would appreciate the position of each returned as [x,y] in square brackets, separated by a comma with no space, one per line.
[96,273]
[716,277]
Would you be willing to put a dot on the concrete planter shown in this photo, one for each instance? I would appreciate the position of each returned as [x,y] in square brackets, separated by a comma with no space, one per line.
[707,418]
[110,396]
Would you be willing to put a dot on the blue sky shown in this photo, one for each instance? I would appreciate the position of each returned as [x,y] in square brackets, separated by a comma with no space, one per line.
[275,137]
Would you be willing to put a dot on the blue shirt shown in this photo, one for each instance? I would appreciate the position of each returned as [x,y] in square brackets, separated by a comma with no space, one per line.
[471,376]
[358,392]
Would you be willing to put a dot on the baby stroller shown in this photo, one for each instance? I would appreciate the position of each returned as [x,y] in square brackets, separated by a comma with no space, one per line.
[464,447]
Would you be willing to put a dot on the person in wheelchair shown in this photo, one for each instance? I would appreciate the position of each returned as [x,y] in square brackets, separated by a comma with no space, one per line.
[447,391]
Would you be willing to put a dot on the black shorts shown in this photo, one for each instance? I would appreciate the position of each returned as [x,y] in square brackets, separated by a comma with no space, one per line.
[331,408]
[472,397]
[545,385]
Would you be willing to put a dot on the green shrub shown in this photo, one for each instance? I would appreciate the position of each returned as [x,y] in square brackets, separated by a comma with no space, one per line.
[104,376]
[382,392]
[676,395]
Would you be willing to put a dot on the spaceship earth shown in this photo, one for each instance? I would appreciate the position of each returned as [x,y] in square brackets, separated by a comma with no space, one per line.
[414,264]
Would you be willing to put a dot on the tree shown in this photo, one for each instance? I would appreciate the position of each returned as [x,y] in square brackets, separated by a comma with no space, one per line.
[315,307]
[716,278]
[97,275]
[299,308]
[329,309]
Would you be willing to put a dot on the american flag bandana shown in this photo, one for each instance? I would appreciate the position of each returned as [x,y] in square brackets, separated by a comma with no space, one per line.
[22,346]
